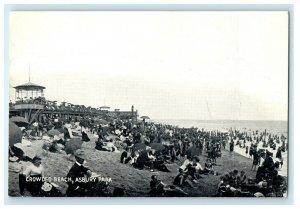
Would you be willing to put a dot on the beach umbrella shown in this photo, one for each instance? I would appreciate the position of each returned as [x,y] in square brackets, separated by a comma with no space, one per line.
[62,130]
[192,151]
[28,151]
[15,134]
[72,145]
[157,146]
[53,132]
[197,158]
[19,121]
[139,146]
[105,130]
[145,117]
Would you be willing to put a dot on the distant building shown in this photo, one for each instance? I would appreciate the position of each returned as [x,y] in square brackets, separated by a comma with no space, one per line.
[31,104]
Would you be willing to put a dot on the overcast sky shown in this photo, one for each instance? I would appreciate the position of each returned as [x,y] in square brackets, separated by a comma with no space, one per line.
[169,65]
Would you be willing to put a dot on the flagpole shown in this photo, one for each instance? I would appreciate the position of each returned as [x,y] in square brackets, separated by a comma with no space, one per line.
[29,72]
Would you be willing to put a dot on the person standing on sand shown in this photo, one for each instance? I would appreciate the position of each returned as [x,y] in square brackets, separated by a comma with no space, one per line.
[224,143]
[251,150]
[231,148]
[255,159]
[279,156]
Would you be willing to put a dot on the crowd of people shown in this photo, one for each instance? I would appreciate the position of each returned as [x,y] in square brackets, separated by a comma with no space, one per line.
[256,146]
[150,146]
[267,183]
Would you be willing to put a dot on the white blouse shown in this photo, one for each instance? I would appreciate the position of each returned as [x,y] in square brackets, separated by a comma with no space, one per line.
[33,170]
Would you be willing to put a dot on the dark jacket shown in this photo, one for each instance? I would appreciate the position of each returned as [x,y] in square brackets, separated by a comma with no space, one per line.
[268,163]
[76,188]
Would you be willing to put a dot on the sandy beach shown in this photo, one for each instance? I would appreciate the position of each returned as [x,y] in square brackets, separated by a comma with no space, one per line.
[134,181]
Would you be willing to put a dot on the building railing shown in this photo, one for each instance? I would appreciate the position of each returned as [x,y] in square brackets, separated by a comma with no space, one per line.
[65,108]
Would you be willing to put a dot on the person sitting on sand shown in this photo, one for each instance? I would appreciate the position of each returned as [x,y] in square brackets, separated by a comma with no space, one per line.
[158,160]
[235,178]
[221,191]
[183,178]
[99,143]
[231,178]
[242,179]
[78,170]
[85,137]
[179,179]
[144,160]
[156,186]
[134,156]
[17,154]
[197,167]
[128,141]
[109,146]
[191,174]
[54,147]
[125,158]
[47,144]
[33,177]
[186,162]
[208,166]
[159,189]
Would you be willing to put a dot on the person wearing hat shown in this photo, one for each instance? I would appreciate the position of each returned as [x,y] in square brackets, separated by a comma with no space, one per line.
[268,162]
[78,171]
[54,145]
[33,176]
[50,190]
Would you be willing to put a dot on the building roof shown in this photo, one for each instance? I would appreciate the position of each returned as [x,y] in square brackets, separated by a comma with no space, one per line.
[29,86]
[104,107]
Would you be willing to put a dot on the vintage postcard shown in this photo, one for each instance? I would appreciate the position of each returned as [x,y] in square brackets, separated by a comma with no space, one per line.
[148,103]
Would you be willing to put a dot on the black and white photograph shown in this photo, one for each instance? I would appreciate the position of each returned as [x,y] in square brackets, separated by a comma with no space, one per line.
[148,104]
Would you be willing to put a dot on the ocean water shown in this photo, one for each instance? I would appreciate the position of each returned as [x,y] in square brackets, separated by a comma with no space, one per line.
[247,125]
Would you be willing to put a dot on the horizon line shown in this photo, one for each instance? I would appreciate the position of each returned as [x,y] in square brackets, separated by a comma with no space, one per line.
[219,119]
